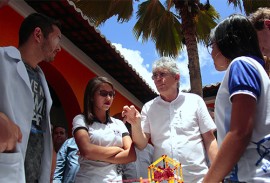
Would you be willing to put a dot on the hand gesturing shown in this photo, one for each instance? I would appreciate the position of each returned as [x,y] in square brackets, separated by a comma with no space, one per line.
[131,115]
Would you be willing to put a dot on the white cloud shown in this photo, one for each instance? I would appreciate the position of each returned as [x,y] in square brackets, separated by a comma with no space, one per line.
[204,56]
[209,74]
[184,72]
[136,61]
[208,71]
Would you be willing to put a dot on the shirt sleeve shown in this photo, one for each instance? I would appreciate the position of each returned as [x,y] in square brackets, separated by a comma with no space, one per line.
[244,78]
[205,121]
[78,123]
[144,120]
[60,163]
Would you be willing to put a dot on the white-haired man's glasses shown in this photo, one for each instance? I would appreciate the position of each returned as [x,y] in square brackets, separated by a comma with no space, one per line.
[157,75]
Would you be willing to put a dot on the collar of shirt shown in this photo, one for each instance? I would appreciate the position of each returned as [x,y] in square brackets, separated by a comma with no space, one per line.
[108,120]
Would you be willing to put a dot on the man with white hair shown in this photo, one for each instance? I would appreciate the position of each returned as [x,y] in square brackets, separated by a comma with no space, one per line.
[178,124]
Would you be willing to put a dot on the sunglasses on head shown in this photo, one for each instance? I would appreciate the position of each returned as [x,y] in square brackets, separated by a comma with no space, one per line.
[105,93]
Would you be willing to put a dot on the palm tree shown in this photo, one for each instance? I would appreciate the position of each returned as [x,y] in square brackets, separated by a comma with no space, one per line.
[249,5]
[169,26]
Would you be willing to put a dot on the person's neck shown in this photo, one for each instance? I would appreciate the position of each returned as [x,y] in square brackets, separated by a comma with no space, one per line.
[101,116]
[169,97]
[29,56]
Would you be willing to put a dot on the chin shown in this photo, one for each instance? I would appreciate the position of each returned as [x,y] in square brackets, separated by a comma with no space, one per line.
[220,68]
[48,60]
[160,88]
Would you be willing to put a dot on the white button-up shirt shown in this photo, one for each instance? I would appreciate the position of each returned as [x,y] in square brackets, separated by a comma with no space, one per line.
[175,129]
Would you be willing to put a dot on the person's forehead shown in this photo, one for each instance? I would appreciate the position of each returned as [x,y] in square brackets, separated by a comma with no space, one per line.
[59,129]
[160,69]
[56,31]
[105,86]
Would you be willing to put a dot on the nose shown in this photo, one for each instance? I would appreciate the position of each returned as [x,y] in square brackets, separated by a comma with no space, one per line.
[158,80]
[109,97]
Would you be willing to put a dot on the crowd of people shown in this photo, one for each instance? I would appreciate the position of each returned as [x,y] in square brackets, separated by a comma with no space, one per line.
[177,124]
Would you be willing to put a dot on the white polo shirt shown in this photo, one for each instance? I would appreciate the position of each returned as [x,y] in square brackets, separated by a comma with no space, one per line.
[109,134]
[175,128]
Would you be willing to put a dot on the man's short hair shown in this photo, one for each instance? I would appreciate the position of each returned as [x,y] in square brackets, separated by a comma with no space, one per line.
[33,21]
[259,16]
[59,126]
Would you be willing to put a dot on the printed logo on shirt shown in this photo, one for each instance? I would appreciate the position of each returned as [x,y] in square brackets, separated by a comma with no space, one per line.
[117,133]
[233,175]
[263,149]
[39,105]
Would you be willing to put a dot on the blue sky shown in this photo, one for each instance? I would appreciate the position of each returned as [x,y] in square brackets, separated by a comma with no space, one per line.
[141,55]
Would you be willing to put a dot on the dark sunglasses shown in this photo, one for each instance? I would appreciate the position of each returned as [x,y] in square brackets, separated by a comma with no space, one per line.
[105,93]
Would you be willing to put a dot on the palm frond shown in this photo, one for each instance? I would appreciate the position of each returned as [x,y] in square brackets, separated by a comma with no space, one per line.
[100,11]
[159,25]
[148,15]
[169,36]
[236,4]
[205,21]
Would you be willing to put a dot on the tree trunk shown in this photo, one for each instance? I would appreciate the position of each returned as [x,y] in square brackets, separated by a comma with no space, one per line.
[187,14]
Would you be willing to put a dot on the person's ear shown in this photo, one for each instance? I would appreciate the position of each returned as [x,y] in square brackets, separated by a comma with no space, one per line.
[37,34]
[267,24]
[177,77]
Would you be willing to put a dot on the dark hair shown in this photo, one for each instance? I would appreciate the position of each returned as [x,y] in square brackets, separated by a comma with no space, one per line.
[59,126]
[92,86]
[36,20]
[235,36]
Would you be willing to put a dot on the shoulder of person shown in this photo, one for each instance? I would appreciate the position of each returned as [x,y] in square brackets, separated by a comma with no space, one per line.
[150,102]
[11,51]
[247,59]
[78,117]
[115,120]
[150,147]
[191,95]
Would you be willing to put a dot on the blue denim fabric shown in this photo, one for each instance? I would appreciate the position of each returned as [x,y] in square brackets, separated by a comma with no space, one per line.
[66,163]
[229,181]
